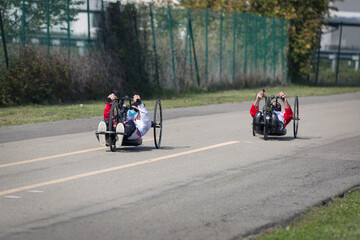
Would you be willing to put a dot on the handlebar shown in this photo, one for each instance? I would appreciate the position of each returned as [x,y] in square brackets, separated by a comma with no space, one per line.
[276,98]
[273,96]
[124,98]
[121,100]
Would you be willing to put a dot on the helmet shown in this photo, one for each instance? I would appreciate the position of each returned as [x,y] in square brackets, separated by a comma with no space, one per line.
[277,106]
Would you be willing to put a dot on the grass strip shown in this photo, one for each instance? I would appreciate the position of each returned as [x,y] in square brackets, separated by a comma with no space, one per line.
[338,220]
[46,113]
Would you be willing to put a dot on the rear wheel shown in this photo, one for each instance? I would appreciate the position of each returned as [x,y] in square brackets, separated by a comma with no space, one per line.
[157,123]
[266,126]
[296,116]
[113,121]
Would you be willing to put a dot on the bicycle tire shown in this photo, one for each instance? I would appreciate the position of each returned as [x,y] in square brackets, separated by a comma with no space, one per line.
[157,124]
[296,117]
[113,121]
[266,127]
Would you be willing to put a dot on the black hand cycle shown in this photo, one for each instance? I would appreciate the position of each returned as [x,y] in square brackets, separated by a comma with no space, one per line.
[266,122]
[118,115]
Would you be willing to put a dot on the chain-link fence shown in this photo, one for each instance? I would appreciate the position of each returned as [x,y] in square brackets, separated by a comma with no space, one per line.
[210,48]
[186,48]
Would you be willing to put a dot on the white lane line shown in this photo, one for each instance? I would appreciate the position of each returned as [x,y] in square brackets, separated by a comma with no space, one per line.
[50,157]
[55,156]
[87,174]
[12,196]
[35,191]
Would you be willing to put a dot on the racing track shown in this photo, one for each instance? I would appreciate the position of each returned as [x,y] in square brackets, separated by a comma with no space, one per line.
[210,180]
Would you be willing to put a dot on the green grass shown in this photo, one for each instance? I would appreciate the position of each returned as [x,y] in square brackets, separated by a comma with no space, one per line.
[46,113]
[347,75]
[340,219]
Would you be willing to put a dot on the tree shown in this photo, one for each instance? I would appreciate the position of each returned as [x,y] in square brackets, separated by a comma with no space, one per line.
[34,15]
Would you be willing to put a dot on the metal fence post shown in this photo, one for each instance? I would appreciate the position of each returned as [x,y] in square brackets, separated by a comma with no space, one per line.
[68,27]
[286,54]
[206,45]
[194,50]
[104,24]
[186,43]
[138,42]
[220,54]
[190,51]
[274,47]
[185,53]
[245,42]
[338,53]
[318,58]
[4,40]
[88,23]
[172,47]
[48,26]
[234,41]
[23,24]
[256,42]
[264,45]
[282,49]
[154,47]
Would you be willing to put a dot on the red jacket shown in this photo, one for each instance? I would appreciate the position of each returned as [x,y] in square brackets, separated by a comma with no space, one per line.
[288,114]
[107,111]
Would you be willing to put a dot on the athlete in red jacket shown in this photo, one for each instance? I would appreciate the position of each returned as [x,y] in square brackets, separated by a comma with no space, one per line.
[284,117]
[136,125]
[107,109]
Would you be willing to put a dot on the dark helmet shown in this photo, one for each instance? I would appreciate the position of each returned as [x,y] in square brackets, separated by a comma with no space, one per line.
[277,106]
[134,105]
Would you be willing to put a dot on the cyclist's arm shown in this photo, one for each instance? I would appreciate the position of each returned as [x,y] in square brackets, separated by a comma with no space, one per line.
[107,110]
[253,110]
[288,115]
[145,119]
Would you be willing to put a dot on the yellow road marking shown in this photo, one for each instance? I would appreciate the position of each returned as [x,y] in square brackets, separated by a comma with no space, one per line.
[50,157]
[19,189]
[54,156]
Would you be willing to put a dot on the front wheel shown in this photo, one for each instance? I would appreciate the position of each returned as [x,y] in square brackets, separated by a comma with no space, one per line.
[266,132]
[157,123]
[266,124]
[296,116]
[113,121]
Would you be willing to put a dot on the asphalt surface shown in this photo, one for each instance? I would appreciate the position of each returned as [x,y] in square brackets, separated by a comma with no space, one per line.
[30,131]
[211,179]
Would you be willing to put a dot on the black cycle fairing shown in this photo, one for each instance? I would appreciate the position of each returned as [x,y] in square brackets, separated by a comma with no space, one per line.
[118,115]
[267,123]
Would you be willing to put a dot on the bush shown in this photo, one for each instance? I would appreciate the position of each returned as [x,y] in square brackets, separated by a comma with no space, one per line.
[26,80]
[37,77]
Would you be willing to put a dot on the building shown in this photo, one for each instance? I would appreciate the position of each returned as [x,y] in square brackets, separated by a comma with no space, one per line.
[349,12]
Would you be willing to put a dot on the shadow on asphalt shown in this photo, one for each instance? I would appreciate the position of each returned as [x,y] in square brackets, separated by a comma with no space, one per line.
[287,138]
[146,148]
